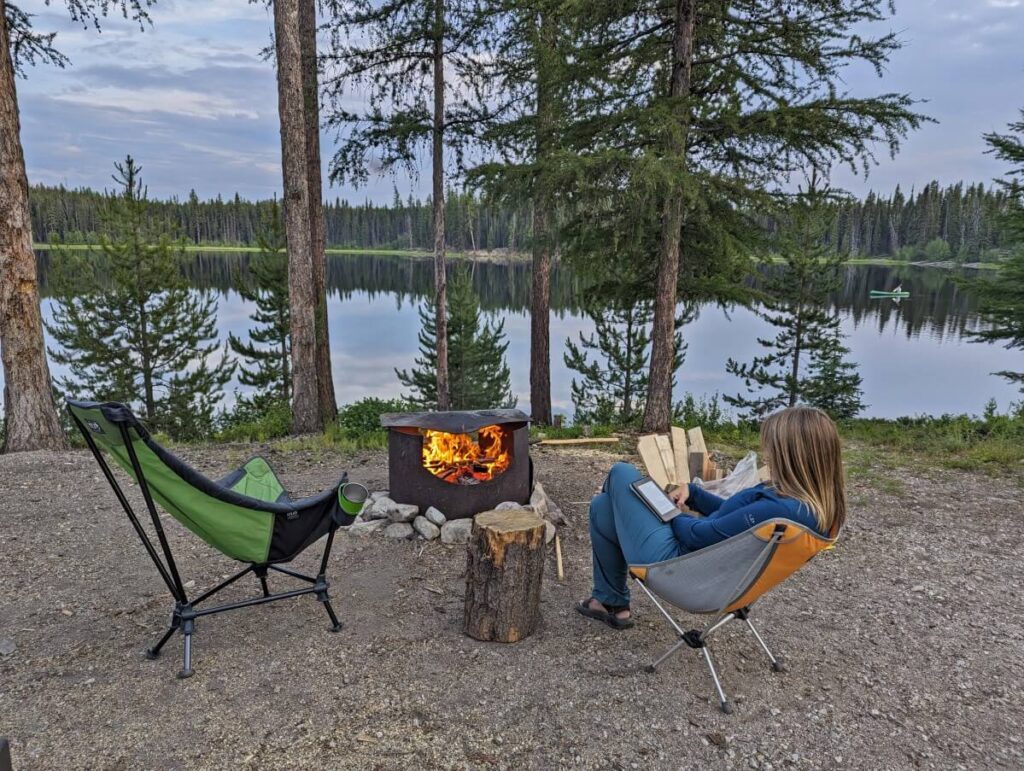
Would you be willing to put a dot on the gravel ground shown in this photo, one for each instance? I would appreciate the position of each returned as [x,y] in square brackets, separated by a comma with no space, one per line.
[904,645]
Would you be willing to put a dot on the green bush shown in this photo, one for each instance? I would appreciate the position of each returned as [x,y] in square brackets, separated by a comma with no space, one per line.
[363,417]
[705,412]
[247,422]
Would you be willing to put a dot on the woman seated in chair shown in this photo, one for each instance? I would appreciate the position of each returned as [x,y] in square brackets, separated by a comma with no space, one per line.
[802,449]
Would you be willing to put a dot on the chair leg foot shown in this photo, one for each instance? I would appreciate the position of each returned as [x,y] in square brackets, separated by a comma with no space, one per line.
[186,666]
[651,669]
[335,624]
[726,707]
[778,665]
[151,653]
[154,652]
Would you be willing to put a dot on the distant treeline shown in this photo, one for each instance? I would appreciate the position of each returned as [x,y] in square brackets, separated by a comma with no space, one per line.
[73,216]
[957,222]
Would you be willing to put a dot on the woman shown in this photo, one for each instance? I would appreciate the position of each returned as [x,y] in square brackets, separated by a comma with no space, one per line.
[803,452]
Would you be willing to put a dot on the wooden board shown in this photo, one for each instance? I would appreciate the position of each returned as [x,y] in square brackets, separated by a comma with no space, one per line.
[711,470]
[581,440]
[681,455]
[698,452]
[667,459]
[647,447]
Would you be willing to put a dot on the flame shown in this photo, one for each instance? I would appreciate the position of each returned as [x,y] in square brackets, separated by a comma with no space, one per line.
[459,459]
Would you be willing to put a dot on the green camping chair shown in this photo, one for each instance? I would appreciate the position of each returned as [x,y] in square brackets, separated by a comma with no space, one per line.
[247,515]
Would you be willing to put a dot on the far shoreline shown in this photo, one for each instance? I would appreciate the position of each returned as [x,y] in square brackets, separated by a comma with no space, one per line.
[502,256]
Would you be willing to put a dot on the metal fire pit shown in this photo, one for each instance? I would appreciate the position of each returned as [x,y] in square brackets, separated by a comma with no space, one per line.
[410,482]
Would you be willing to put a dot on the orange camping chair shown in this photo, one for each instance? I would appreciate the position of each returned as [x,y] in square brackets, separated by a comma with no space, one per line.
[725,579]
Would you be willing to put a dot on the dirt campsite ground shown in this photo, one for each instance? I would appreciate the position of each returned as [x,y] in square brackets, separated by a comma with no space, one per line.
[905,645]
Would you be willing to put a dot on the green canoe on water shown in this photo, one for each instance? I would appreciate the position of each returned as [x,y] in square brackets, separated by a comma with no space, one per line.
[880,293]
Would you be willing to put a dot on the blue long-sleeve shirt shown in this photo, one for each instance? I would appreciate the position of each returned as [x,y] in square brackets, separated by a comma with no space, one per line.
[726,517]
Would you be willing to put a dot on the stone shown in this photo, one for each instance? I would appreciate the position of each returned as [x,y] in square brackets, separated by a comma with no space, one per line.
[381,509]
[379,494]
[426,528]
[7,647]
[435,516]
[549,531]
[362,529]
[398,530]
[508,506]
[544,506]
[456,531]
[403,512]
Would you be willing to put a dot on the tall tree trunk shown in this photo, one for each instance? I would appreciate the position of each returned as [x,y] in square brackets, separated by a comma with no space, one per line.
[440,276]
[658,412]
[540,307]
[30,416]
[314,183]
[306,416]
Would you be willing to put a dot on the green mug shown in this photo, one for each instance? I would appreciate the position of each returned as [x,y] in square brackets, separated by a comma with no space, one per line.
[352,496]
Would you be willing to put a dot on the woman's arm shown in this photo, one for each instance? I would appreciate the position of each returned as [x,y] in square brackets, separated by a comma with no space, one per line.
[701,501]
[694,533]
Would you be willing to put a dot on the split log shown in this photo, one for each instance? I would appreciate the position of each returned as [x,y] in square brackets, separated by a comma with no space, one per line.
[681,455]
[504,574]
[667,459]
[647,448]
[698,452]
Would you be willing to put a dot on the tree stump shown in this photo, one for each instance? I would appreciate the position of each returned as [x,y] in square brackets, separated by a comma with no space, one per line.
[504,573]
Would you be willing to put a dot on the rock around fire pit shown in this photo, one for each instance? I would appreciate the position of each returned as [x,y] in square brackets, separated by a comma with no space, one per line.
[459,462]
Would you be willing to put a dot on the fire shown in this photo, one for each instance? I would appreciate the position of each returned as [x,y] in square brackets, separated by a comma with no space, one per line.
[463,460]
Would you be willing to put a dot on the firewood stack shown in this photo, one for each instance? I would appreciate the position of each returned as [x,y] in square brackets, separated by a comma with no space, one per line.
[676,458]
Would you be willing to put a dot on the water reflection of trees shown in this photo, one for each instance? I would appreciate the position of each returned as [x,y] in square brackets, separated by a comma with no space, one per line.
[937,306]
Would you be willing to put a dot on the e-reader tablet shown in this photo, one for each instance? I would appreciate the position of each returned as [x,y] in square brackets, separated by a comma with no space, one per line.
[656,499]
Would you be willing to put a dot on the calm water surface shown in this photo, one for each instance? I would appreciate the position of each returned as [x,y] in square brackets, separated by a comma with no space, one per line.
[913,354]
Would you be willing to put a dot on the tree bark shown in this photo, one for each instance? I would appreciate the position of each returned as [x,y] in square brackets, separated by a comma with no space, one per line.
[540,307]
[658,411]
[311,91]
[306,416]
[504,575]
[440,275]
[31,421]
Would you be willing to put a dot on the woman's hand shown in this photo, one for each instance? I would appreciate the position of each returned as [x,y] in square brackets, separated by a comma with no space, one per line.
[679,496]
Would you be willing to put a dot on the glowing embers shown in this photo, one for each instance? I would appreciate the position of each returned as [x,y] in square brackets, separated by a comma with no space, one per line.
[467,459]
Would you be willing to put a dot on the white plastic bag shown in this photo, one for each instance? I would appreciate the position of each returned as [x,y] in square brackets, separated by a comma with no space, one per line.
[741,477]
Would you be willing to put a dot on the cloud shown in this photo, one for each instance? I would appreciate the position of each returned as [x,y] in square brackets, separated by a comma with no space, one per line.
[176,101]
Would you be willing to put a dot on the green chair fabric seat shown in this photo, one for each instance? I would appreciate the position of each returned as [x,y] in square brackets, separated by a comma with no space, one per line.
[247,515]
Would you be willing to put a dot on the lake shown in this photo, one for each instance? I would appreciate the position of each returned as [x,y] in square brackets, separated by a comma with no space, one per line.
[913,354]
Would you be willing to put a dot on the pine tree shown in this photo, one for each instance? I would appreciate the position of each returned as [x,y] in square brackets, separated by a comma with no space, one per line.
[129,327]
[612,362]
[478,370]
[268,351]
[405,54]
[833,383]
[804,361]
[699,112]
[1002,300]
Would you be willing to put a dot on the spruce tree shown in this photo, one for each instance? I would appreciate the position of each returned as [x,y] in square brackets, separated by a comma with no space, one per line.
[478,371]
[804,362]
[696,112]
[128,326]
[268,351]
[612,361]
[1002,300]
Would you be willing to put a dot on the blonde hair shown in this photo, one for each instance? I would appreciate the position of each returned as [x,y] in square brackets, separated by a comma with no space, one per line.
[804,454]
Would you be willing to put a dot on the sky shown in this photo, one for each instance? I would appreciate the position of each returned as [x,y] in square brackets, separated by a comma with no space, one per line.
[194,102]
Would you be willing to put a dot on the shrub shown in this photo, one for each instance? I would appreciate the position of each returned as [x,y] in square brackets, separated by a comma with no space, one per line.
[363,417]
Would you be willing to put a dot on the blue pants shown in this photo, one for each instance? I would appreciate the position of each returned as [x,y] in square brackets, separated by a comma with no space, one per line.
[623,532]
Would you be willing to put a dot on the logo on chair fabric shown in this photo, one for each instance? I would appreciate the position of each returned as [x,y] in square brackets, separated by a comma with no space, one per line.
[95,427]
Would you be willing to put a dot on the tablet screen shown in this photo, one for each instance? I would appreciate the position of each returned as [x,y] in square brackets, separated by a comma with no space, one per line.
[656,497]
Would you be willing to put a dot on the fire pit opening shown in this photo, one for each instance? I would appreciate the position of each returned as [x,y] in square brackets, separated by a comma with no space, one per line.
[467,459]
[461,463]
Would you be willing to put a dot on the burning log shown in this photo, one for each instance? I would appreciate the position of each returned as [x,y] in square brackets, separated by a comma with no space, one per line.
[504,573]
